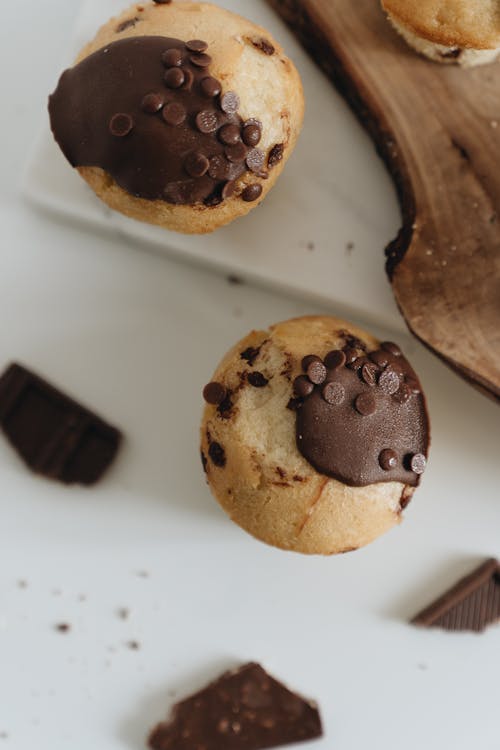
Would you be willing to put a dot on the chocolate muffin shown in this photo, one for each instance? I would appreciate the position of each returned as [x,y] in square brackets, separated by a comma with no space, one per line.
[457,32]
[179,114]
[315,435]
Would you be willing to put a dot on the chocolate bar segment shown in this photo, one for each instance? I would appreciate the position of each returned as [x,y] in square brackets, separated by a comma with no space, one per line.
[245,709]
[471,605]
[54,435]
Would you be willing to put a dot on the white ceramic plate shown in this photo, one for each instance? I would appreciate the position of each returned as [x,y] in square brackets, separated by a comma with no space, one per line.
[320,234]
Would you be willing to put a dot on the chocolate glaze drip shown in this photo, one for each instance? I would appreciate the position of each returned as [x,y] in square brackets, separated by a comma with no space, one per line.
[147,111]
[362,419]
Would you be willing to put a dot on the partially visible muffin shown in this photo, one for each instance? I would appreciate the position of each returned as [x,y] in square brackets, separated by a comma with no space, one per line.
[315,435]
[461,32]
[180,114]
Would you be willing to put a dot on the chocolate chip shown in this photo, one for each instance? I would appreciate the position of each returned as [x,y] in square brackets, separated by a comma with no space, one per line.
[255,160]
[174,78]
[172,58]
[229,135]
[217,454]
[351,355]
[201,61]
[380,358]
[418,463]
[196,164]
[174,114]
[219,167]
[251,193]
[369,374]
[121,125]
[229,189]
[388,459]
[236,154]
[358,363]
[389,346]
[275,155]
[335,360]
[251,135]
[257,379]
[334,393]
[309,360]
[210,87]
[152,103]
[207,121]
[197,45]
[316,372]
[389,381]
[366,404]
[230,103]
[302,386]
[188,79]
[214,393]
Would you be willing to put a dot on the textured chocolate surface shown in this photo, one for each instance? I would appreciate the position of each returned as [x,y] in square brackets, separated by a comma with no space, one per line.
[362,417]
[471,605]
[147,111]
[54,435]
[243,710]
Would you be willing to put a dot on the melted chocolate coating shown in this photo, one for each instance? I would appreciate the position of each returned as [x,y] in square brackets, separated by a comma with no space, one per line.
[370,425]
[145,110]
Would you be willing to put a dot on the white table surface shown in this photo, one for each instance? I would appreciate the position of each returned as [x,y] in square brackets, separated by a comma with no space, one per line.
[136,336]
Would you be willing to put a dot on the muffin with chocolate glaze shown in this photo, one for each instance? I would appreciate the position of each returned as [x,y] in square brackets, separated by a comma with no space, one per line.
[315,435]
[179,114]
[460,32]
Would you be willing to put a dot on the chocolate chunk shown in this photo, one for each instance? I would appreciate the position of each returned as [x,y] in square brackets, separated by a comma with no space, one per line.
[172,58]
[250,354]
[230,103]
[245,709]
[174,78]
[214,393]
[197,45]
[275,155]
[152,103]
[334,393]
[217,454]
[174,114]
[389,381]
[202,61]
[229,135]
[252,193]
[335,359]
[340,444]
[471,605]
[388,459]
[210,87]
[251,135]
[207,121]
[257,379]
[255,160]
[54,435]
[121,125]
[389,346]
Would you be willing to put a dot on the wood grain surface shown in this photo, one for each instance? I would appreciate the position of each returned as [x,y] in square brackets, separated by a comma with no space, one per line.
[438,129]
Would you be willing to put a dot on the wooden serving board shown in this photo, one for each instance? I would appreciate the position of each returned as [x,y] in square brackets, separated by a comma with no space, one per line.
[438,129]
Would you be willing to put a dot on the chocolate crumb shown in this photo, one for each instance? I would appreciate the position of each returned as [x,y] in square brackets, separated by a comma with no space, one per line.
[349,248]
[264,46]
[63,627]
[129,24]
[22,584]
[235,280]
[123,613]
[134,645]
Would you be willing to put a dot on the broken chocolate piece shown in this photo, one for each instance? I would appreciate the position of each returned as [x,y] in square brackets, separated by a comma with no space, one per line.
[54,435]
[245,709]
[471,605]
